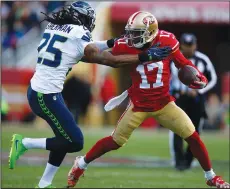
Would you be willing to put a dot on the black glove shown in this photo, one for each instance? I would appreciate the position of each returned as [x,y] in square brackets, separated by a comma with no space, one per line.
[111,42]
[155,53]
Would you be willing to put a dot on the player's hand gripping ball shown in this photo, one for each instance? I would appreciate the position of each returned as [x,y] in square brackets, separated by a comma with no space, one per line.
[191,77]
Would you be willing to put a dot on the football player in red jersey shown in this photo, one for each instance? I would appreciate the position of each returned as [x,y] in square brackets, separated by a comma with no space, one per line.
[149,97]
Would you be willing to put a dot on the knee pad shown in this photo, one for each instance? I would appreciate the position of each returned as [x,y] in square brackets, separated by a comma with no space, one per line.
[70,147]
[60,144]
[75,146]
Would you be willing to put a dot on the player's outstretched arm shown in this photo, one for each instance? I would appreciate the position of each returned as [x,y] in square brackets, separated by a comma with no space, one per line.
[93,55]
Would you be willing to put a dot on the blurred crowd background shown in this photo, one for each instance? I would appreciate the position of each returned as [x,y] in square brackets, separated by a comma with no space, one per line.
[21,31]
[18,17]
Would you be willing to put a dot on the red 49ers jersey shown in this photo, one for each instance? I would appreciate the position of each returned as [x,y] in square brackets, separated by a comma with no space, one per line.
[150,80]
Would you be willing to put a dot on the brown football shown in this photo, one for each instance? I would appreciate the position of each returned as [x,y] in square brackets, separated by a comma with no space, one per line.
[187,74]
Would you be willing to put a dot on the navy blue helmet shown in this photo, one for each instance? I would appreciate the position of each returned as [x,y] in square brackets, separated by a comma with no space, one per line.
[85,13]
[79,13]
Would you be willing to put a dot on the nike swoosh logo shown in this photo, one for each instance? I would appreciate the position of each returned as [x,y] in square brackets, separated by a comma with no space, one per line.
[16,144]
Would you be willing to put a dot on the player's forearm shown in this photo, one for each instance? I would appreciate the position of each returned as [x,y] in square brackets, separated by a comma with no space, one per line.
[93,55]
[101,45]
[104,45]
[180,61]
[106,58]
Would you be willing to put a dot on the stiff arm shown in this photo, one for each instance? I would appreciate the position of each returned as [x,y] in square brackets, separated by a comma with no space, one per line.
[92,54]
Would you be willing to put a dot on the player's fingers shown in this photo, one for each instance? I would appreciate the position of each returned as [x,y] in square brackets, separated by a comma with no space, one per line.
[169,49]
[165,53]
[165,50]
[193,87]
[199,77]
[199,82]
[156,45]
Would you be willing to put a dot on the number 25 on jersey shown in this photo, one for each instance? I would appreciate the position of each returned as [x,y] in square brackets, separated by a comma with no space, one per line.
[144,77]
[48,44]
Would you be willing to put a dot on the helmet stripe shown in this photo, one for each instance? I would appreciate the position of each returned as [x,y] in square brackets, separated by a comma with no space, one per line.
[134,16]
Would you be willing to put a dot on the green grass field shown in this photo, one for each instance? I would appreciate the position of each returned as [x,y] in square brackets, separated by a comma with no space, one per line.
[143,144]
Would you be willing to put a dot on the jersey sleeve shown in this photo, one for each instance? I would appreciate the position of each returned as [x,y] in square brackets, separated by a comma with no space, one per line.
[170,40]
[83,38]
[118,48]
[174,43]
[180,61]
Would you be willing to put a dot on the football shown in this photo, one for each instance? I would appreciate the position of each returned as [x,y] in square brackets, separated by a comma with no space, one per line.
[188,74]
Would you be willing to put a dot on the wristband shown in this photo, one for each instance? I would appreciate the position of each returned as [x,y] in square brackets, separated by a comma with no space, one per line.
[144,57]
[110,43]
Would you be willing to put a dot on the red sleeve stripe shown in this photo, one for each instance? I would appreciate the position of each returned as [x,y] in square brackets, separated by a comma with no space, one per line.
[164,35]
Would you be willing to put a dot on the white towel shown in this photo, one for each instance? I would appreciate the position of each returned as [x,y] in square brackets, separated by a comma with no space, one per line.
[116,101]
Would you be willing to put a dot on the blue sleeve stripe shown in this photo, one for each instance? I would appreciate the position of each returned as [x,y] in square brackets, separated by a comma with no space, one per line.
[39,60]
[85,38]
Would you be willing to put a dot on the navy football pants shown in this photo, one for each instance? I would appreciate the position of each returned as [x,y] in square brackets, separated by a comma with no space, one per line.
[51,107]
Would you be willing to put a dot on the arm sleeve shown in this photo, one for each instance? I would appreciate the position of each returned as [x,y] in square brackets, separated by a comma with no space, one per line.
[176,56]
[82,39]
[102,45]
[170,40]
[213,80]
[179,59]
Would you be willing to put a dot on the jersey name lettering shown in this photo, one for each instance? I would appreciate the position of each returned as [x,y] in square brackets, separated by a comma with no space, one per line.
[63,28]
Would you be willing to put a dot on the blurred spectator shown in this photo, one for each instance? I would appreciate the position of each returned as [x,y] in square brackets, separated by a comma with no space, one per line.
[226,108]
[77,96]
[216,112]
[19,17]
[5,9]
[108,90]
